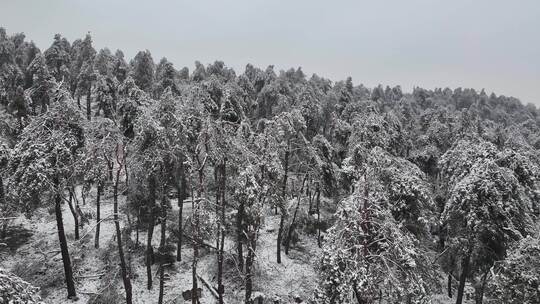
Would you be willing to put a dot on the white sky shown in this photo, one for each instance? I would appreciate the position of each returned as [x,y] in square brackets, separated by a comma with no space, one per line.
[491,44]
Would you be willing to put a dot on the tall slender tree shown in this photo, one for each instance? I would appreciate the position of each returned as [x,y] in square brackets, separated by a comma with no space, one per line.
[43,162]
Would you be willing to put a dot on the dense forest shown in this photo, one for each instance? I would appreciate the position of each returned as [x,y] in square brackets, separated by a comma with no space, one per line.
[131,181]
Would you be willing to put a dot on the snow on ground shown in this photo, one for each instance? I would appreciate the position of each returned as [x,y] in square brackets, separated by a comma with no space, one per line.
[39,262]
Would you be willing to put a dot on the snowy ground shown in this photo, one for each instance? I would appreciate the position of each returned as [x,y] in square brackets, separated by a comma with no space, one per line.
[38,260]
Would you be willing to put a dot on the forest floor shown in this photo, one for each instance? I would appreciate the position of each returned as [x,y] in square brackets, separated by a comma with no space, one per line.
[33,254]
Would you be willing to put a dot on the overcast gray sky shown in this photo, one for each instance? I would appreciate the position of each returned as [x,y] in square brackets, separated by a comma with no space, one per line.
[491,44]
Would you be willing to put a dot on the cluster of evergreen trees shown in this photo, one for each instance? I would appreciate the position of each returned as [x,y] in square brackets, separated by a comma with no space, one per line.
[426,183]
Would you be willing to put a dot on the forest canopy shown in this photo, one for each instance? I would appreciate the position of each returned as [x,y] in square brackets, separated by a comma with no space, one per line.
[363,194]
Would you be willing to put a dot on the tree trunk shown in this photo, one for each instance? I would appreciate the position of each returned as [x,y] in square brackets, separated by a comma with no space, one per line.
[89,103]
[68,271]
[239,233]
[249,266]
[479,289]
[98,213]
[110,167]
[181,195]
[319,216]
[2,196]
[3,233]
[449,285]
[280,233]
[127,234]
[137,228]
[149,252]
[161,283]
[162,244]
[217,190]
[310,200]
[221,288]
[83,196]
[195,240]
[284,207]
[74,213]
[464,273]
[80,214]
[126,172]
[123,268]
[150,231]
[293,222]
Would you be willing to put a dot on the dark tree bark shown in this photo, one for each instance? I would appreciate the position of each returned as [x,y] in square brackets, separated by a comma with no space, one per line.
[280,233]
[318,216]
[221,288]
[83,196]
[2,196]
[479,289]
[162,244]
[150,232]
[126,173]
[127,234]
[293,222]
[125,275]
[195,224]
[89,103]
[149,252]
[310,199]
[449,285]
[161,283]
[252,242]
[137,227]
[239,234]
[68,271]
[181,195]
[98,213]
[2,202]
[462,279]
[195,240]
[74,213]
[284,207]
[110,167]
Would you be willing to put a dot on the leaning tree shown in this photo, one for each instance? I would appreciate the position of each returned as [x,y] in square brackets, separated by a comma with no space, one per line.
[4,206]
[485,213]
[516,278]
[488,206]
[369,255]
[42,165]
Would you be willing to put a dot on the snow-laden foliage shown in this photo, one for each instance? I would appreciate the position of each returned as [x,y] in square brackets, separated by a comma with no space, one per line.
[160,136]
[458,161]
[250,192]
[46,154]
[369,254]
[409,195]
[374,130]
[5,152]
[485,213]
[446,174]
[102,138]
[517,278]
[15,290]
